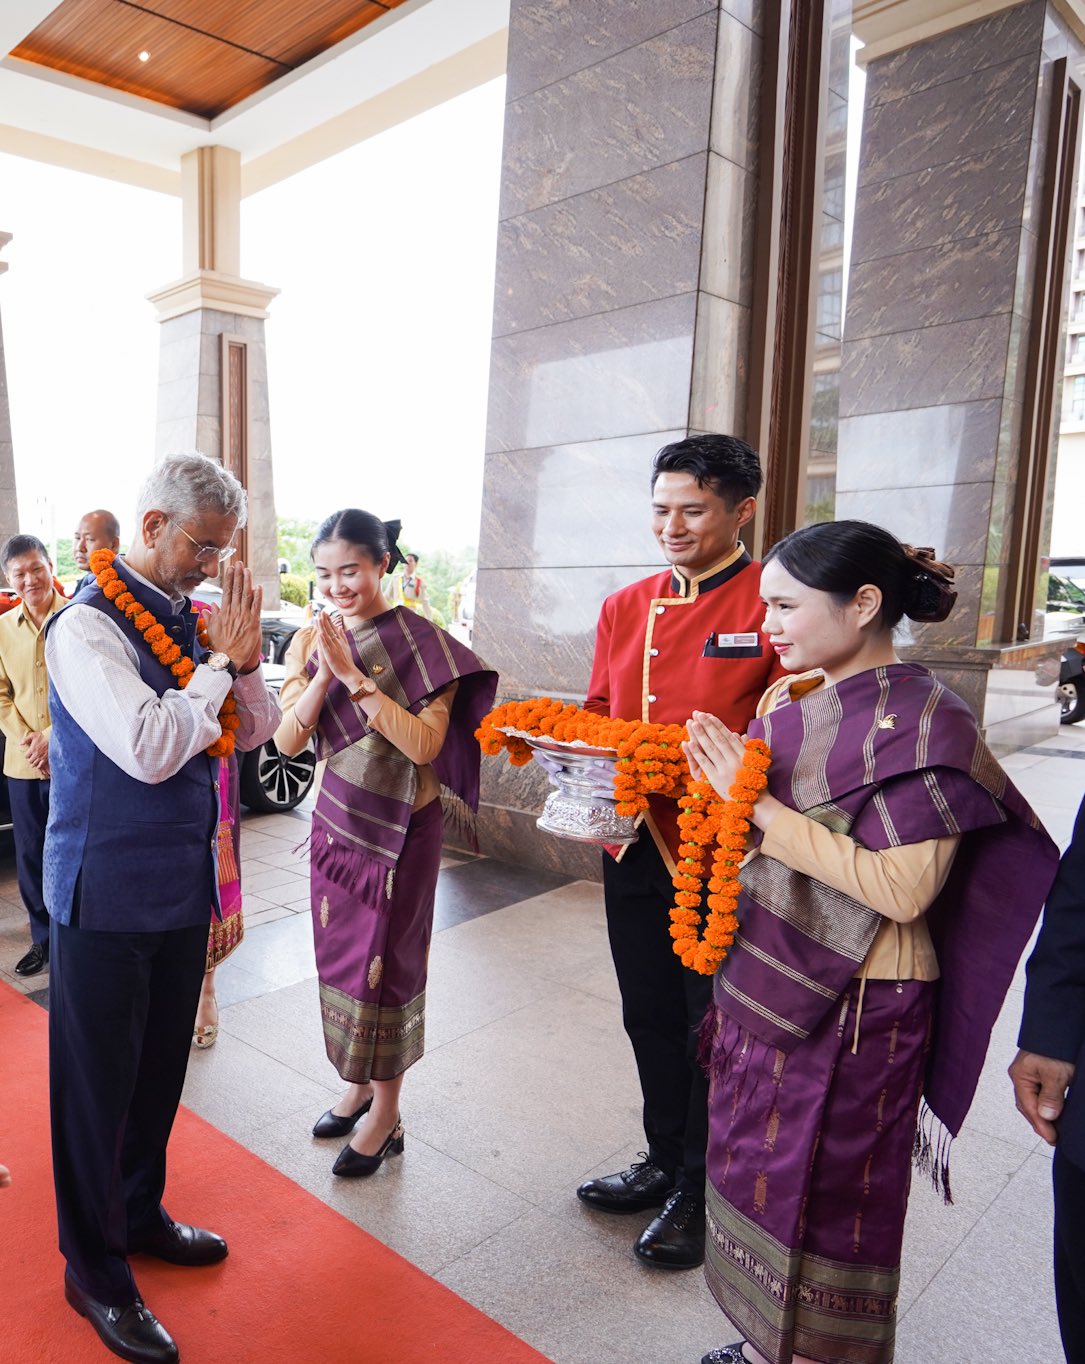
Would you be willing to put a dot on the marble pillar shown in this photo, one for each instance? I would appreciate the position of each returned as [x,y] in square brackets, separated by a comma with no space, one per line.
[621,322]
[212,373]
[940,300]
[9,501]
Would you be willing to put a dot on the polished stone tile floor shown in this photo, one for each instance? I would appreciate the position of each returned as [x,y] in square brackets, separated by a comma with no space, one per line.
[528,1086]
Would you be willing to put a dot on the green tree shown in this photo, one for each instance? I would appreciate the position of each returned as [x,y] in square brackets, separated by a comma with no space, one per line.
[65,561]
[442,571]
[294,540]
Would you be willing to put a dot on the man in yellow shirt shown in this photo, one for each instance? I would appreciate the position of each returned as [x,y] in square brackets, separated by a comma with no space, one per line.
[24,720]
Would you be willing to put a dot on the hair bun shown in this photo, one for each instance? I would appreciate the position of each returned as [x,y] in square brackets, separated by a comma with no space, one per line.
[931,594]
[393,528]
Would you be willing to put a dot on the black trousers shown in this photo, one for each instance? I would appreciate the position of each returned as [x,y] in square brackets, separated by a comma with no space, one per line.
[663,1004]
[121,1010]
[1069,1185]
[29,800]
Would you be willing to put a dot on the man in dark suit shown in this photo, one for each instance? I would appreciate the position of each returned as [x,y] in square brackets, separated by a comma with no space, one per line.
[1052,1042]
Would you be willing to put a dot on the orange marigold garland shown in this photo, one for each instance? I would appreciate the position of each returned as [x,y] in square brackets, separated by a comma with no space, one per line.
[707,820]
[164,649]
[650,759]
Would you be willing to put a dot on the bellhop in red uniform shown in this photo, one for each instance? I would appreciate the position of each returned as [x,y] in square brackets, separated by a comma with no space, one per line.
[683,640]
[672,644]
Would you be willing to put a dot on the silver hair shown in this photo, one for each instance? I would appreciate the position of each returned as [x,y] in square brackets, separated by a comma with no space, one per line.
[187,486]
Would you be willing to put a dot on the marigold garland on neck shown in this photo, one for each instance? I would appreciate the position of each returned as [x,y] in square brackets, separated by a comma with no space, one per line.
[164,649]
[650,761]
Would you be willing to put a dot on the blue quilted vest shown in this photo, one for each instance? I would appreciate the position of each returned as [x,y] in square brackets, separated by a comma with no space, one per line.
[124,855]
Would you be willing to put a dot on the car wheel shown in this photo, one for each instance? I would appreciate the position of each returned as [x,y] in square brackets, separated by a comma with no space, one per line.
[281,646]
[270,781]
[1072,700]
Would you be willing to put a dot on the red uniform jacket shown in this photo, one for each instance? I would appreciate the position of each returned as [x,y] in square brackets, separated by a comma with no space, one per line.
[669,645]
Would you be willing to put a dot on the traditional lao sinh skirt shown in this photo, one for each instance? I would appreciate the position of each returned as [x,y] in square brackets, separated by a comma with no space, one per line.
[372,962]
[809,1167]
[226,933]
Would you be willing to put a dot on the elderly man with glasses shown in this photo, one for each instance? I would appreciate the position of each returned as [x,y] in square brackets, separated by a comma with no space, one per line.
[142,710]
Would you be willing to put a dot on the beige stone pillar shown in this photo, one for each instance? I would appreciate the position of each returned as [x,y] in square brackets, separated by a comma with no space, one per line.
[942,308]
[621,322]
[212,374]
[9,502]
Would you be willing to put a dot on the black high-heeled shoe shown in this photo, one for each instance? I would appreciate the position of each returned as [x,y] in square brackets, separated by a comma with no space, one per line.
[337,1124]
[353,1165]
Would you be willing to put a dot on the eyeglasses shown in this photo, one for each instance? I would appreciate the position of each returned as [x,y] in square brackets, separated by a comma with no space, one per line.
[205,553]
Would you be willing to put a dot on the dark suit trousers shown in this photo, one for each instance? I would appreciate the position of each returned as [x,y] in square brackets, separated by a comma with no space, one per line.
[121,1010]
[1069,1184]
[663,1004]
[29,800]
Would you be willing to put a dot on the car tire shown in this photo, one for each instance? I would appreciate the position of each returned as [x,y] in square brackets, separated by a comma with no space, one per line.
[281,646]
[271,782]
[1071,695]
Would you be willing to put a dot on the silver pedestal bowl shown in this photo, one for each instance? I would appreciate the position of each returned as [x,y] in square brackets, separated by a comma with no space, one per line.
[578,808]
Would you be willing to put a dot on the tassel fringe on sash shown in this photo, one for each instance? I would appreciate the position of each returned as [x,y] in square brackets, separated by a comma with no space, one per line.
[931,1151]
[349,869]
[459,819]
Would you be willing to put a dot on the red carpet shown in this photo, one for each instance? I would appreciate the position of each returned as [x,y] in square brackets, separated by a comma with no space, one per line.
[302,1285]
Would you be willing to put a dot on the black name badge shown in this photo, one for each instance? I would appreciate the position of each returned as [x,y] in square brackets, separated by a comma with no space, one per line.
[746,645]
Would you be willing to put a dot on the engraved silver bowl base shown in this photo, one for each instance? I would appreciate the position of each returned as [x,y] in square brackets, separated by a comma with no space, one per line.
[576,810]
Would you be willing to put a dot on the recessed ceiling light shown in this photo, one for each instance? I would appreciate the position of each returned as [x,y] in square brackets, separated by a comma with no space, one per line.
[145,56]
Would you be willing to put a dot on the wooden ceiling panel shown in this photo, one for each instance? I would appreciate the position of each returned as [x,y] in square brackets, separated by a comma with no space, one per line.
[284,30]
[204,55]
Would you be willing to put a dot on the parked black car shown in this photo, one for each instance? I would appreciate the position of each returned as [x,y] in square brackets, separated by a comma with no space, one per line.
[270,781]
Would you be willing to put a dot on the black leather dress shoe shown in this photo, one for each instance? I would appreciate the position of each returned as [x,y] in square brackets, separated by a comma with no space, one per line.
[180,1245]
[37,959]
[644,1185]
[131,1332]
[336,1125]
[674,1239]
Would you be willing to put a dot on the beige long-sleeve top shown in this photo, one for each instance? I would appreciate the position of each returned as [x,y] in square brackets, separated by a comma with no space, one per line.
[900,883]
[418,737]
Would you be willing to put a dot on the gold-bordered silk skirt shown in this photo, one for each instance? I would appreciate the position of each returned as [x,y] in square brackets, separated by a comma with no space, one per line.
[809,1168]
[373,963]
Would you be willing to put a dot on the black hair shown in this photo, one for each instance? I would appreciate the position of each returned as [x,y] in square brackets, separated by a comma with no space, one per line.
[363,529]
[839,557]
[725,465]
[15,545]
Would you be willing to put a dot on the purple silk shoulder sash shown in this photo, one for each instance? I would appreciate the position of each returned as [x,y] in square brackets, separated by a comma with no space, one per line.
[368,788]
[890,757]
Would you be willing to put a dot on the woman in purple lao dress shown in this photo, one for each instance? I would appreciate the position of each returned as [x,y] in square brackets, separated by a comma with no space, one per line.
[394,703]
[895,882]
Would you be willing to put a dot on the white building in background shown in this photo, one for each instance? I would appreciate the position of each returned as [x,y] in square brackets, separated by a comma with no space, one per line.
[1067,530]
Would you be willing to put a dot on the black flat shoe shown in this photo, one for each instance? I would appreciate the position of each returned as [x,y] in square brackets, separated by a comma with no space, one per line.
[338,1125]
[131,1332]
[37,959]
[352,1165]
[644,1185]
[675,1239]
[726,1354]
[179,1244]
